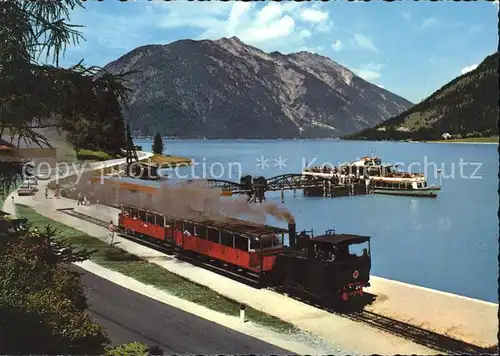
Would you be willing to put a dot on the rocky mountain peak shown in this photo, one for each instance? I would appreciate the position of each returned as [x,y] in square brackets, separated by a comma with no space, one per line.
[225,88]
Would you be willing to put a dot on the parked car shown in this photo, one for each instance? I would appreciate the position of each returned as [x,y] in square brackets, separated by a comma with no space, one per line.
[33,182]
[26,189]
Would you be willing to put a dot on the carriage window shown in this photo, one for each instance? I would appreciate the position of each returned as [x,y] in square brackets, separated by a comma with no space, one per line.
[141,215]
[134,213]
[126,210]
[188,227]
[158,220]
[176,223]
[255,244]
[150,218]
[240,243]
[201,231]
[226,239]
[169,222]
[213,235]
[267,241]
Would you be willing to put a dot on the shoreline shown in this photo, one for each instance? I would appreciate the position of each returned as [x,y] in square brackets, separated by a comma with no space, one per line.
[464,142]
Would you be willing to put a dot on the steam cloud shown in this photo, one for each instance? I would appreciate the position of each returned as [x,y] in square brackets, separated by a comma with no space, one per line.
[187,200]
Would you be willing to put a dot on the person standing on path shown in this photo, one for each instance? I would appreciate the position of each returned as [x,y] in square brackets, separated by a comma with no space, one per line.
[46,192]
[79,199]
[111,230]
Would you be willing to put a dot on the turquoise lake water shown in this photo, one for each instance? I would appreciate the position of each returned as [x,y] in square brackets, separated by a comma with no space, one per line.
[449,243]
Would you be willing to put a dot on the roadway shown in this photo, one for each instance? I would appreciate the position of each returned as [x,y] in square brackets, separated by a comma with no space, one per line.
[129,316]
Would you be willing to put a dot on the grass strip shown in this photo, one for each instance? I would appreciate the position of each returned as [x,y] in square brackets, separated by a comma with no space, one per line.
[130,265]
[169,161]
[90,155]
[492,139]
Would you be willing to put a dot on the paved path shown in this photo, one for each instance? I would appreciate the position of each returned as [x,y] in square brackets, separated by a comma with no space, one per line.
[129,316]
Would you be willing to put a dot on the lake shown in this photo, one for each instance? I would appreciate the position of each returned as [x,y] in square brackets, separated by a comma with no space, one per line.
[449,243]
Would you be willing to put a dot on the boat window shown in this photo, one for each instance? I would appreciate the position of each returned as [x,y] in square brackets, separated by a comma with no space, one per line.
[425,184]
[240,243]
[213,235]
[226,238]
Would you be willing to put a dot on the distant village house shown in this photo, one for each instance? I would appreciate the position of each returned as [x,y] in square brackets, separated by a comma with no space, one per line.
[446,136]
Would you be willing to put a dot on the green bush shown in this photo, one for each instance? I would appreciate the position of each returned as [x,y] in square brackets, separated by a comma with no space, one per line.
[132,349]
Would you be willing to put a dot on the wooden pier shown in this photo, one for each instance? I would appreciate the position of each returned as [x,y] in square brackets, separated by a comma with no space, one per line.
[256,187]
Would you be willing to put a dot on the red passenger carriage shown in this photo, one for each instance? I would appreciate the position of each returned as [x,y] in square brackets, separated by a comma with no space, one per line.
[237,242]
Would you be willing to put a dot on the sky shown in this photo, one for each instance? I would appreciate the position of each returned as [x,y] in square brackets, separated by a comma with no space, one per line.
[410,48]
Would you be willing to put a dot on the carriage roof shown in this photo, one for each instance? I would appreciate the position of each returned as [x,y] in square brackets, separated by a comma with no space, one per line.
[236,225]
[341,239]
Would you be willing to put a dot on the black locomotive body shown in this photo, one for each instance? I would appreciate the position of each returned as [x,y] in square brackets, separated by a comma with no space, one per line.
[324,267]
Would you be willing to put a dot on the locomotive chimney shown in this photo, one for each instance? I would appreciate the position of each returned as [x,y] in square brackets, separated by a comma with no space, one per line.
[292,234]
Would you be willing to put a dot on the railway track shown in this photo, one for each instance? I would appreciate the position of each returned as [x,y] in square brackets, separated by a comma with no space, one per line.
[421,336]
[433,340]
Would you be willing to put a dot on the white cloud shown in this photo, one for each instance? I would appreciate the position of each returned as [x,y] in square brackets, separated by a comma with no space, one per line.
[364,42]
[369,71]
[312,15]
[468,68]
[269,13]
[429,22]
[337,46]
[269,26]
[318,49]
[325,26]
[272,27]
[475,29]
[305,33]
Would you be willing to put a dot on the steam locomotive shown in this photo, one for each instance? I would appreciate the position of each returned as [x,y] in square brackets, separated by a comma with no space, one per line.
[323,267]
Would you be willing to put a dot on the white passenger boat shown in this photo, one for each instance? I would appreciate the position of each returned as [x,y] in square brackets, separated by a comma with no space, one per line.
[411,185]
[380,178]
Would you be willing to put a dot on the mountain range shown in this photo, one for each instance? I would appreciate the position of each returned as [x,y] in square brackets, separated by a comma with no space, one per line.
[465,107]
[226,89]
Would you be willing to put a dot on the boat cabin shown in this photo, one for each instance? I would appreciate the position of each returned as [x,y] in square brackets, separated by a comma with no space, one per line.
[399,184]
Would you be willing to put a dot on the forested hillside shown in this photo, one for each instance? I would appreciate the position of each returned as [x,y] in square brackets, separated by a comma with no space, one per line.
[465,107]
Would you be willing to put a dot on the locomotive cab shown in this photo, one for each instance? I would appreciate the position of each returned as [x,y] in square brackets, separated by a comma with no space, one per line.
[345,256]
[331,266]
